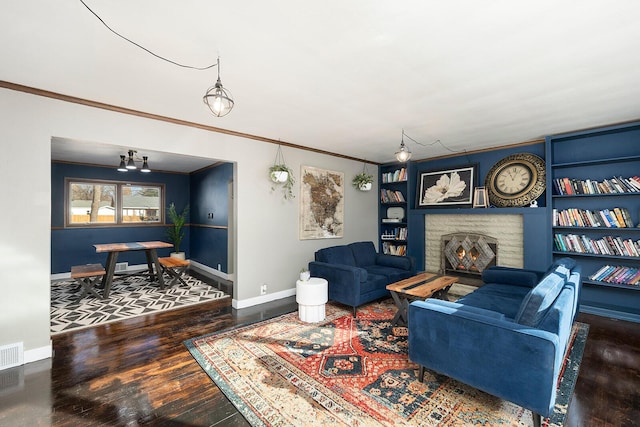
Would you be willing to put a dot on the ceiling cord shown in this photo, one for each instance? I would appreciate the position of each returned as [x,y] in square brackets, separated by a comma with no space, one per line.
[437,141]
[144,48]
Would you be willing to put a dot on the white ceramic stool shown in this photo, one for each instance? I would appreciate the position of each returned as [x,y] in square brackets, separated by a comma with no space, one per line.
[311,296]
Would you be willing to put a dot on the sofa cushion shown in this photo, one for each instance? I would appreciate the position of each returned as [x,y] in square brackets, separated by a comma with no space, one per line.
[467,308]
[400,262]
[336,255]
[390,273]
[539,299]
[511,276]
[496,297]
[364,253]
[562,271]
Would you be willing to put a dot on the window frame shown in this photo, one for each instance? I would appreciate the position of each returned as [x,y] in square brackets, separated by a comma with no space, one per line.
[119,186]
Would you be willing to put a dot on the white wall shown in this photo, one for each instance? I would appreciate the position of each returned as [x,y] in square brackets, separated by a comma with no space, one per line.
[268,248]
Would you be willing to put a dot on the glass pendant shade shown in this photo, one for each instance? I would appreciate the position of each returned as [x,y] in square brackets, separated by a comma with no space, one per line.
[218,99]
[403,154]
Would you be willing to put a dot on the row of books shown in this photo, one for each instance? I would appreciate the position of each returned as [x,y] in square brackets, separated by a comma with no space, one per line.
[391,249]
[617,274]
[395,176]
[389,196]
[607,245]
[617,184]
[398,233]
[612,218]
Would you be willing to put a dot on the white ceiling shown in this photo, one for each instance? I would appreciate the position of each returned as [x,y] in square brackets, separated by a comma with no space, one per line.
[343,76]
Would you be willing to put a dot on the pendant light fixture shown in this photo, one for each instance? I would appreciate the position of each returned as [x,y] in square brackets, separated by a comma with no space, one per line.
[131,163]
[403,154]
[218,99]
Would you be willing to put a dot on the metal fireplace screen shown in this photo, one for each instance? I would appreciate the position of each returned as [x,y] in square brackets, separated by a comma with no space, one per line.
[468,253]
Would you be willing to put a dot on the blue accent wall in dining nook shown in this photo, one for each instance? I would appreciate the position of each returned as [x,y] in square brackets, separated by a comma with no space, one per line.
[74,245]
[210,197]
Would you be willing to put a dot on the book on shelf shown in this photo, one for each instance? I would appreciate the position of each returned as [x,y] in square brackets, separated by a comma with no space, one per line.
[617,184]
[390,196]
[608,218]
[398,175]
[607,245]
[391,249]
[398,233]
[617,274]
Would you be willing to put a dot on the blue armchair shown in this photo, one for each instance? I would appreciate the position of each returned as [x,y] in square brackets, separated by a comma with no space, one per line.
[357,274]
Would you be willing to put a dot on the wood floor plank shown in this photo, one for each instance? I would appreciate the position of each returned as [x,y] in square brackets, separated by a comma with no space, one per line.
[138,372]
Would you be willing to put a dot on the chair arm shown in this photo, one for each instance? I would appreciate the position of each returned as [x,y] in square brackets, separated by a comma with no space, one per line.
[343,280]
[500,357]
[395,261]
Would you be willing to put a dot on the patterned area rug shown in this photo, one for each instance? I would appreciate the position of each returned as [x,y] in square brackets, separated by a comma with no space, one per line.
[129,297]
[354,372]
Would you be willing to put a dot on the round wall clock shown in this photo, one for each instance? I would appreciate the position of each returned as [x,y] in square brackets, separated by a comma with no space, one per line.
[516,180]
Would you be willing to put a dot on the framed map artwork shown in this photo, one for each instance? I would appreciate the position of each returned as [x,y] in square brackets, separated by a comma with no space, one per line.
[321,203]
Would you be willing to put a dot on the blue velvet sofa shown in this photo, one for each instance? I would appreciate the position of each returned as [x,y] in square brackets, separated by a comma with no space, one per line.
[357,274]
[507,338]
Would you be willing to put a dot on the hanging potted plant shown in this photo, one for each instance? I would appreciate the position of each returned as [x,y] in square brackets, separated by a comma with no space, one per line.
[175,234]
[281,174]
[363,181]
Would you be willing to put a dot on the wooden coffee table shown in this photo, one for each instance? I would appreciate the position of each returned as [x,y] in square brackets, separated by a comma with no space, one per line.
[418,287]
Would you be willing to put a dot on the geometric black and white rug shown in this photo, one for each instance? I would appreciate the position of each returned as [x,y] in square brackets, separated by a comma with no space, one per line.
[129,297]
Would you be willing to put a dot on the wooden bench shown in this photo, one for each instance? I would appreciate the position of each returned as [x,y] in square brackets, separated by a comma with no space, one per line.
[175,268]
[88,276]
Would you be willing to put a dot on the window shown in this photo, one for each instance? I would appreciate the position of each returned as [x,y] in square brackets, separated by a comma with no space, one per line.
[106,203]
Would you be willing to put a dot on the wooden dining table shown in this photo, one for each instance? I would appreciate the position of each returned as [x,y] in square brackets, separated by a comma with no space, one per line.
[114,249]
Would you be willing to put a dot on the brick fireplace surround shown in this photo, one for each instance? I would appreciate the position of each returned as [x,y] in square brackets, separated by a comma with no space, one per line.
[507,229]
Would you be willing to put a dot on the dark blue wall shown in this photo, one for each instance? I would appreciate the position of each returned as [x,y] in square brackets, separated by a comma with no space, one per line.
[73,246]
[537,237]
[209,215]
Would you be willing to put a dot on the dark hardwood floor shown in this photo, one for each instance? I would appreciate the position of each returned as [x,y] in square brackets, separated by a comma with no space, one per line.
[138,372]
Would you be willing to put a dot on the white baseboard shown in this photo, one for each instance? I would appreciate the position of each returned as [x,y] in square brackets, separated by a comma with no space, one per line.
[40,353]
[205,268]
[250,302]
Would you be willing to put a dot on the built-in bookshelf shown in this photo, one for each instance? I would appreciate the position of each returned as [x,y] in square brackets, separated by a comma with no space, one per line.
[595,200]
[394,196]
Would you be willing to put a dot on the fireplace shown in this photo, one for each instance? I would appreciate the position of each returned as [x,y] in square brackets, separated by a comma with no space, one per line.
[467,253]
[507,228]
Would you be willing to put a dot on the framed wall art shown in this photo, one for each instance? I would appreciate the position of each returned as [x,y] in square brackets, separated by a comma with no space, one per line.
[321,204]
[447,187]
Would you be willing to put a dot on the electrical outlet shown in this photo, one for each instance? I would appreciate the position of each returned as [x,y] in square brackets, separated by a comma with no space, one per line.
[263,289]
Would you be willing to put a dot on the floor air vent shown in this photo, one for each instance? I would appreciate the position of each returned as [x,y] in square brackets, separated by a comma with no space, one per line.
[11,355]
[121,266]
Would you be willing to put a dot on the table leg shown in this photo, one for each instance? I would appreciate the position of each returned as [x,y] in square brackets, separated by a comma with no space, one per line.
[150,264]
[107,280]
[400,314]
[152,260]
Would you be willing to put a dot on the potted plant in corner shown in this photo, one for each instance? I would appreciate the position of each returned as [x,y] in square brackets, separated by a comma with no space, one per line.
[363,181]
[175,234]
